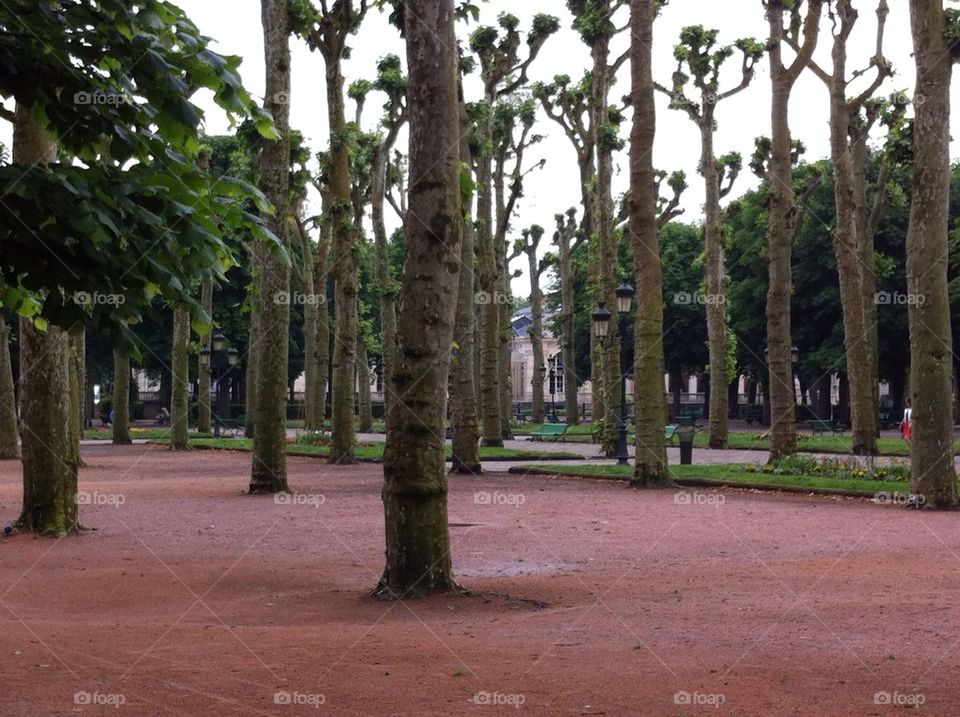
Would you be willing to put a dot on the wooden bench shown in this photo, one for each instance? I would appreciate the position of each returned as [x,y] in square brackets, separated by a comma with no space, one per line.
[550,430]
[824,426]
[670,432]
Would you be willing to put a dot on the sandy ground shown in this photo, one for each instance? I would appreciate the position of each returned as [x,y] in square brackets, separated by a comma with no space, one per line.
[190,598]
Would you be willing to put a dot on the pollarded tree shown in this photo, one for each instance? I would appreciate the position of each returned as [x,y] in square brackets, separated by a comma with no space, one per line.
[651,450]
[503,73]
[699,63]
[568,240]
[529,245]
[418,559]
[936,43]
[802,29]
[180,377]
[121,399]
[848,145]
[326,30]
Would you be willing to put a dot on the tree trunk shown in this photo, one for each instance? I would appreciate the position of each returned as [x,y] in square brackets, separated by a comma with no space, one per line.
[783,428]
[608,267]
[49,465]
[536,335]
[121,399]
[846,240]
[415,484]
[251,380]
[565,235]
[76,350]
[203,369]
[716,289]
[651,450]
[179,368]
[344,269]
[932,466]
[503,305]
[268,473]
[463,396]
[388,289]
[363,382]
[487,297]
[9,430]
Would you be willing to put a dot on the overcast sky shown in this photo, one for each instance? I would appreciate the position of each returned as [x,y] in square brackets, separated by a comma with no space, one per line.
[235,24]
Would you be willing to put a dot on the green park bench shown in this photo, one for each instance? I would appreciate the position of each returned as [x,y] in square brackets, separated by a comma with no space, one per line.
[821,425]
[231,426]
[751,413]
[556,431]
[670,432]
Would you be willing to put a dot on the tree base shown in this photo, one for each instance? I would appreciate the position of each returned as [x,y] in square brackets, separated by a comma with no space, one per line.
[718,443]
[346,459]
[492,443]
[394,593]
[267,487]
[461,468]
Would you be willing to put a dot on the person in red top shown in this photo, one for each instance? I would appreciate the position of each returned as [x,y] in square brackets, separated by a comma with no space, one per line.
[906,425]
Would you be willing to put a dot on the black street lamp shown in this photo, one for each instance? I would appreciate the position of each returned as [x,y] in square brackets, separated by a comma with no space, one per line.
[220,363]
[553,388]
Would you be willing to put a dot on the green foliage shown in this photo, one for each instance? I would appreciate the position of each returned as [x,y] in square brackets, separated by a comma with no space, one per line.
[133,216]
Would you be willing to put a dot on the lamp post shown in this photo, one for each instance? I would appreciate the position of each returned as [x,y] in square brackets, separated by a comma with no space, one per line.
[601,329]
[553,389]
[220,362]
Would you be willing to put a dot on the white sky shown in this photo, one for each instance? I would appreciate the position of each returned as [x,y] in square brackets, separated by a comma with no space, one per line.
[235,24]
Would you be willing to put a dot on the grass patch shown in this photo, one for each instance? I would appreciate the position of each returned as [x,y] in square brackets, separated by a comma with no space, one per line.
[106,434]
[374,451]
[735,473]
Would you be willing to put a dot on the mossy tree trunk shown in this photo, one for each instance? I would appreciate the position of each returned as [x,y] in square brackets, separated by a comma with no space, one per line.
[463,390]
[651,450]
[268,472]
[203,370]
[418,557]
[180,377]
[931,458]
[9,428]
[121,399]
[48,456]
[566,246]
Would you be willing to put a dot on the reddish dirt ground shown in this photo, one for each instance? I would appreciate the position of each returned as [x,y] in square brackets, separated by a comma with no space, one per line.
[190,598]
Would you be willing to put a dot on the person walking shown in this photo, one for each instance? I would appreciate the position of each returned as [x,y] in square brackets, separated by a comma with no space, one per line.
[906,425]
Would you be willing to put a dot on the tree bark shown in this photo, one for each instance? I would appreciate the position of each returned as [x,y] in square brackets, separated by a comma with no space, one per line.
[565,236]
[463,391]
[268,472]
[179,368]
[716,285]
[121,399]
[9,430]
[781,224]
[489,309]
[49,461]
[344,269]
[203,370]
[536,331]
[76,355]
[415,485]
[251,379]
[932,469]
[651,450]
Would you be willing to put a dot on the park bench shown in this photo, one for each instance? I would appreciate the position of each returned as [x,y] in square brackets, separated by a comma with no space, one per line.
[751,412]
[824,426]
[550,430]
[522,416]
[670,432]
[231,426]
